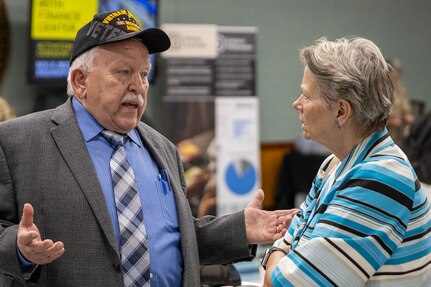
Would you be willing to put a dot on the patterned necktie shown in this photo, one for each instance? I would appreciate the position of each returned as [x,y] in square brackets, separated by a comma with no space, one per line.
[135,255]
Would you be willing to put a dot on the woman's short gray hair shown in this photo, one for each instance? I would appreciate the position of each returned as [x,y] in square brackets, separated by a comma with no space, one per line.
[355,70]
[86,61]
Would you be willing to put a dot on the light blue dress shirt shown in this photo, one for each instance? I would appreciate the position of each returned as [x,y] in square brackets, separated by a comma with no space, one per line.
[158,204]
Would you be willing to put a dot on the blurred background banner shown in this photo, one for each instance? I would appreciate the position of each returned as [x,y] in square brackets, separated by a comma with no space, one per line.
[236,61]
[237,119]
[189,74]
[191,41]
[211,113]
[238,152]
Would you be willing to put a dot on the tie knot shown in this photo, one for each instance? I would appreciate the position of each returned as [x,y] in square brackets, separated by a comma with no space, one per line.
[113,138]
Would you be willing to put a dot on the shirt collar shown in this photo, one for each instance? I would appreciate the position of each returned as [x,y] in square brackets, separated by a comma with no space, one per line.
[91,128]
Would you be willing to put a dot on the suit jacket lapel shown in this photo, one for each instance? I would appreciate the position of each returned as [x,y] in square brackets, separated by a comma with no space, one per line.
[68,138]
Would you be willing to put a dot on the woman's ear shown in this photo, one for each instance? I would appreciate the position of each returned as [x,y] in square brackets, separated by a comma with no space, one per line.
[78,82]
[344,112]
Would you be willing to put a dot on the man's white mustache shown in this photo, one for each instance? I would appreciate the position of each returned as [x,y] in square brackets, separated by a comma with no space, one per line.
[132,98]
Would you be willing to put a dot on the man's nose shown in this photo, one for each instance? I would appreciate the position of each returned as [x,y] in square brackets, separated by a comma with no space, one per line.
[138,84]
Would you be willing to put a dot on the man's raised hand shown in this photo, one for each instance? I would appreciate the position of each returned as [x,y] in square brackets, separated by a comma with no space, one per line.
[30,243]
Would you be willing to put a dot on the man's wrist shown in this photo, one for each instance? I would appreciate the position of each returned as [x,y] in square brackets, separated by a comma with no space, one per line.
[24,263]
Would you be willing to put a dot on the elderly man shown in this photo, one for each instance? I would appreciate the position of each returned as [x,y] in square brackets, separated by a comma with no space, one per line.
[102,195]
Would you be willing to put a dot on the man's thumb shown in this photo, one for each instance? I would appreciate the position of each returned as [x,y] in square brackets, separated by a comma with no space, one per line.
[257,200]
[27,215]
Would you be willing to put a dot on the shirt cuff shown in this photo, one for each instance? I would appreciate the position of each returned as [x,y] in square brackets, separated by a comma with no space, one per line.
[26,266]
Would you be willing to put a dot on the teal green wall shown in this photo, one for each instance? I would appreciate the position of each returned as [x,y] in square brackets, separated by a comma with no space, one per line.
[400,28]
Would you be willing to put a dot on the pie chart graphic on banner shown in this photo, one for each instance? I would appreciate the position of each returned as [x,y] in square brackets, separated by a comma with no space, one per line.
[240,176]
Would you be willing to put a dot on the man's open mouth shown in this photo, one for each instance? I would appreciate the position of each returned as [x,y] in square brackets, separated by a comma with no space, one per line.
[130,105]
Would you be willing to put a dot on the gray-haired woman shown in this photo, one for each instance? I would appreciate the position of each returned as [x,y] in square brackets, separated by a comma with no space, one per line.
[366,221]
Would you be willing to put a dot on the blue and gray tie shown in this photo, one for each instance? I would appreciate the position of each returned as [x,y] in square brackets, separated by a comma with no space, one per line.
[135,255]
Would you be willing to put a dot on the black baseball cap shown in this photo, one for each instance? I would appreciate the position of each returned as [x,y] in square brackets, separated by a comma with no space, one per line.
[117,26]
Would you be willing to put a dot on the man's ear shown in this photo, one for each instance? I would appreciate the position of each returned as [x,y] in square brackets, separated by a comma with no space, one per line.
[344,112]
[78,81]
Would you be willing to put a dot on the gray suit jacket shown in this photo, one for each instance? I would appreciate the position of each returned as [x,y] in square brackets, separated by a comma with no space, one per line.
[44,161]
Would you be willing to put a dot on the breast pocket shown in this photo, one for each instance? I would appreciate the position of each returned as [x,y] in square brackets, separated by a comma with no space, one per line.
[168,206]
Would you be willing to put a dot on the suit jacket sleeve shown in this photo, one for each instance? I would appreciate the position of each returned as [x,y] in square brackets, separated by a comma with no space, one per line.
[222,239]
[9,219]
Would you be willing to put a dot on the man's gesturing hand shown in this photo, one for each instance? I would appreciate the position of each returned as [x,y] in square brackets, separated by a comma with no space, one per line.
[264,226]
[30,243]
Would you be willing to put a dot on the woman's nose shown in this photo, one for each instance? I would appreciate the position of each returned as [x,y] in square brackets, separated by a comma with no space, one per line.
[296,104]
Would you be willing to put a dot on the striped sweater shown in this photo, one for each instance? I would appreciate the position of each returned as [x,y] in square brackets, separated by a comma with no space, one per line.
[366,222]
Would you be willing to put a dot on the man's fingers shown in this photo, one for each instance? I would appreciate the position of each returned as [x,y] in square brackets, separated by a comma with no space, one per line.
[51,253]
[47,244]
[55,251]
[283,222]
[27,237]
[37,248]
[284,212]
[44,252]
[57,246]
[27,216]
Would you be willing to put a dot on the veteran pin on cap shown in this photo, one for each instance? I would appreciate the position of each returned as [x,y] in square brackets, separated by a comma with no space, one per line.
[117,26]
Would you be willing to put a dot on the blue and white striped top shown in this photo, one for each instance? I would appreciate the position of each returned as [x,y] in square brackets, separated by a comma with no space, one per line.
[366,222]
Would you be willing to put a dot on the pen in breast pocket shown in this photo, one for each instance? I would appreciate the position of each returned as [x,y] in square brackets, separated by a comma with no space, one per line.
[164,180]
